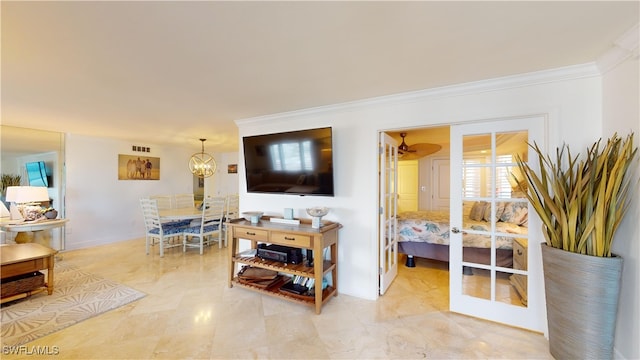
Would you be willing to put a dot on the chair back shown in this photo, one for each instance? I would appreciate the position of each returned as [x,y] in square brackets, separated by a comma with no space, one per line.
[212,211]
[233,207]
[164,201]
[151,215]
[184,201]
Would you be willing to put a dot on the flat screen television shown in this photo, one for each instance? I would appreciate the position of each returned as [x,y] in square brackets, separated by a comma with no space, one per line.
[292,163]
[37,174]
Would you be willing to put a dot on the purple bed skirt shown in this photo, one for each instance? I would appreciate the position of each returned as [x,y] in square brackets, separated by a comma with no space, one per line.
[504,257]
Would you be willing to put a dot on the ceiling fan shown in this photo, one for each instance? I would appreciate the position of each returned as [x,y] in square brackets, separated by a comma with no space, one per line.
[415,151]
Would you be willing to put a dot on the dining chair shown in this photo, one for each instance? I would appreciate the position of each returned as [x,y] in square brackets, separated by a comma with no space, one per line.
[168,202]
[184,201]
[232,211]
[156,230]
[210,224]
[164,201]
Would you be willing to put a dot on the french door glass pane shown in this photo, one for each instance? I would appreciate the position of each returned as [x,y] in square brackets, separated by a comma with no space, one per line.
[494,214]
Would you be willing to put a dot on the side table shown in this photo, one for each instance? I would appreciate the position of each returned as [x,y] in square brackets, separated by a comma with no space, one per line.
[35,227]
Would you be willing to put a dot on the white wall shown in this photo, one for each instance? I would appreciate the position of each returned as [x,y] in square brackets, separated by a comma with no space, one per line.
[621,114]
[102,209]
[570,104]
[223,183]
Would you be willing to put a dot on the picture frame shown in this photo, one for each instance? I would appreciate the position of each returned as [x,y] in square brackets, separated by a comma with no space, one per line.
[232,169]
[134,167]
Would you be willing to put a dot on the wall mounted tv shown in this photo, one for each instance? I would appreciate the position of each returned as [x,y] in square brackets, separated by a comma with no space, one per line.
[293,163]
[37,174]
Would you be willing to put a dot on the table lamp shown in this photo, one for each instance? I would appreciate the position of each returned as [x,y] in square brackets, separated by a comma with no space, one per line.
[22,197]
[4,212]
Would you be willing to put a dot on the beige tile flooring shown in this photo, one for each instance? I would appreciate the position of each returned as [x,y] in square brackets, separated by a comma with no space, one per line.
[190,313]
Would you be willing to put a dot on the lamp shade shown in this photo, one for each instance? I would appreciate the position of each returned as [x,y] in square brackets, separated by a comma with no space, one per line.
[26,194]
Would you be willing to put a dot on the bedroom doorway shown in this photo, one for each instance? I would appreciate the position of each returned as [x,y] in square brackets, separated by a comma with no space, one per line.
[486,287]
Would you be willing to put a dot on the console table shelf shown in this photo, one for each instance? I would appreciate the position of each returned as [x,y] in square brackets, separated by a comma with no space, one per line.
[293,269]
[327,293]
[301,236]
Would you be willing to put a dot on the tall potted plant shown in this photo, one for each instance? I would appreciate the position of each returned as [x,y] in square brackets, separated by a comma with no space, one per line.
[581,202]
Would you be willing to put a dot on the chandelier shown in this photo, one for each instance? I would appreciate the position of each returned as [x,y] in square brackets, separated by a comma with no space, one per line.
[202,164]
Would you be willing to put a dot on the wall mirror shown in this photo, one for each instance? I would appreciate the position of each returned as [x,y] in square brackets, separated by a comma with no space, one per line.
[22,146]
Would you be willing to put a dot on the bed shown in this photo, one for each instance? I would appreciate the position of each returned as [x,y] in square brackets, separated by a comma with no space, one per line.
[425,234]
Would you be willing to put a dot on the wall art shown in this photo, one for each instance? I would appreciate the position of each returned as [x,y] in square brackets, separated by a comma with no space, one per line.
[133,167]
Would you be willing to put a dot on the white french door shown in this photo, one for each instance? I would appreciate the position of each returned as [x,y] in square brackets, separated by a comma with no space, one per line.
[388,202]
[490,218]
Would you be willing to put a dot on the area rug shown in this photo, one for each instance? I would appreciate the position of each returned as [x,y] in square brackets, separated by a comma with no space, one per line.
[77,296]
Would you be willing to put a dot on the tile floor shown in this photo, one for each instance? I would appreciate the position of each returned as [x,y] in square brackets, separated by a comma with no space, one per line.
[190,313]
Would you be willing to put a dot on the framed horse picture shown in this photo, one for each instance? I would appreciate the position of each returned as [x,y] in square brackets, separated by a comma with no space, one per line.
[134,167]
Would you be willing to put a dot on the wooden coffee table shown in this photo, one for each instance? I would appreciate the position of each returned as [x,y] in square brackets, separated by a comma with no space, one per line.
[20,259]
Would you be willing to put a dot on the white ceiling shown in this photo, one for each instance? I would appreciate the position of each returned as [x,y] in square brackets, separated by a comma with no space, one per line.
[174,72]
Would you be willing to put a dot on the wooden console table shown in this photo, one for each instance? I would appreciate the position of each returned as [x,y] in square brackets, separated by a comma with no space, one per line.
[20,259]
[301,236]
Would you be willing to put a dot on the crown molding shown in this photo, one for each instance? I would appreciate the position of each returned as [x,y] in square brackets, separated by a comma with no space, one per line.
[501,83]
[626,46]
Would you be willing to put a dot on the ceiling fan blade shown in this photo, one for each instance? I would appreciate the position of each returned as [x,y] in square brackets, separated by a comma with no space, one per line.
[406,151]
[410,156]
[418,151]
[425,148]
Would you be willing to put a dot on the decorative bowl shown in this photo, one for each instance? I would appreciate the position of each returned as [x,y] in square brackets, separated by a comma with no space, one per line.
[318,211]
[51,214]
[252,214]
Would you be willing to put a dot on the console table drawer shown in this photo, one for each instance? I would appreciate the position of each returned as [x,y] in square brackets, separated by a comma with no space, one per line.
[296,240]
[250,234]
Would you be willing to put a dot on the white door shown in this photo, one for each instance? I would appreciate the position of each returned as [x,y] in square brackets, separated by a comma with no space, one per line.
[440,184]
[388,204]
[496,274]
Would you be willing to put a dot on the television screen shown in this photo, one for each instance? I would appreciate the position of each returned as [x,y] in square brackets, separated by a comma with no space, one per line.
[37,174]
[295,162]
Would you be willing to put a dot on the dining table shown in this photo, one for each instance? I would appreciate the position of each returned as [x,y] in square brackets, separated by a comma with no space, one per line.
[178,214]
